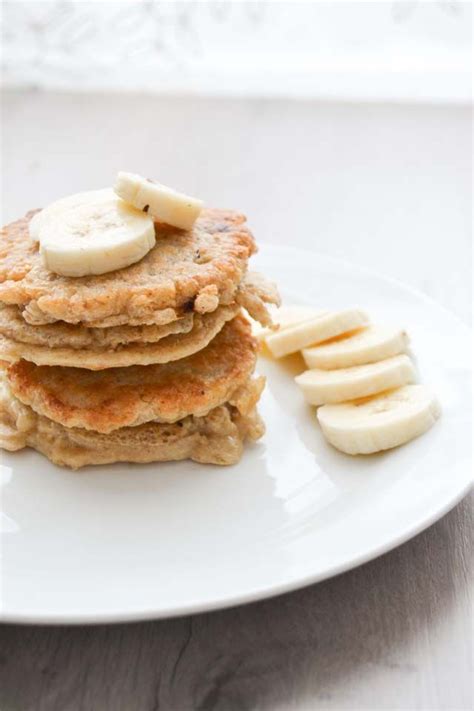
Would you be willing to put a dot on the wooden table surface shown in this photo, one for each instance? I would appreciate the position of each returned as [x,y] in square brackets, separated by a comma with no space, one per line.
[385,186]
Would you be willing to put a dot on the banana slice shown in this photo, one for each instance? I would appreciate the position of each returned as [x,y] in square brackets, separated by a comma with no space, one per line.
[93,233]
[55,208]
[284,317]
[162,203]
[321,328]
[327,386]
[380,422]
[367,345]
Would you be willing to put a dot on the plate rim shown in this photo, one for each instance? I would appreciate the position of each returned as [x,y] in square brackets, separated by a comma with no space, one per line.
[271,590]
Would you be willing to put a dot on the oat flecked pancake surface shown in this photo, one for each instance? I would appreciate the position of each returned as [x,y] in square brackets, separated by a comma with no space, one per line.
[119,397]
[172,347]
[186,270]
[215,438]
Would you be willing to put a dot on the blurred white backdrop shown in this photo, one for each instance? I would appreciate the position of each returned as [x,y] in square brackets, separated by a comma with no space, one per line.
[386,49]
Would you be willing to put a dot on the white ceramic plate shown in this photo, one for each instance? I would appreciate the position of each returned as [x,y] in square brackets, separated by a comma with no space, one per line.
[127,542]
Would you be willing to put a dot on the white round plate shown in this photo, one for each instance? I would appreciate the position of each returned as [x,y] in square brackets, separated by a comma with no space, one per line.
[129,542]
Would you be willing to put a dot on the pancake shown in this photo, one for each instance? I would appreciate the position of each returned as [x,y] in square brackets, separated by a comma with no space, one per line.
[120,397]
[253,293]
[186,271]
[169,348]
[79,346]
[215,438]
[67,335]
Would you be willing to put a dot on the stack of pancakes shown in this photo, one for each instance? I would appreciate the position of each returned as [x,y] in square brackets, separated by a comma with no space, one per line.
[153,362]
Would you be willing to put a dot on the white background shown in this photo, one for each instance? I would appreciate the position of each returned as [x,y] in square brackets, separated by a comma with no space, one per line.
[385,49]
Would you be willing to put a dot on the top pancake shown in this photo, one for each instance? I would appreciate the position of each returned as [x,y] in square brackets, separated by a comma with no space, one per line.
[186,271]
[119,397]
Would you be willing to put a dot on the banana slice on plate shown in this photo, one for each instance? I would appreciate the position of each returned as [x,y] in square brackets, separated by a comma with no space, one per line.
[321,328]
[285,317]
[159,201]
[329,386]
[380,422]
[93,233]
[367,345]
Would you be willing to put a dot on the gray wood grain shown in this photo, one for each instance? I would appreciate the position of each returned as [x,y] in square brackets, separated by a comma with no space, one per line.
[389,635]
